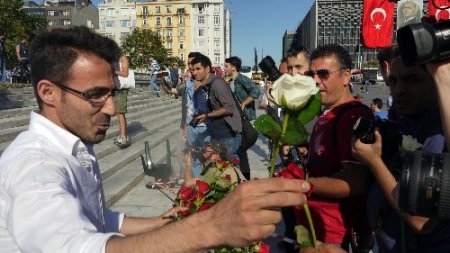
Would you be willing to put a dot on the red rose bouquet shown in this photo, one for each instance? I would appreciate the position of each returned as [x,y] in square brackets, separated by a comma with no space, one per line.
[217,180]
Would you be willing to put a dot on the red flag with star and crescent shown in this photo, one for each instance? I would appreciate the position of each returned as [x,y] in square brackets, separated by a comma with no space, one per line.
[377,23]
[442,12]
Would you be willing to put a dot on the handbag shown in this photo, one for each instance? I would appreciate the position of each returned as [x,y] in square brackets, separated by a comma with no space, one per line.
[249,133]
[128,82]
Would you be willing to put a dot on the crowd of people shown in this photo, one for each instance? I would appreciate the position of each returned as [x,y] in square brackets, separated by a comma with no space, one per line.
[51,188]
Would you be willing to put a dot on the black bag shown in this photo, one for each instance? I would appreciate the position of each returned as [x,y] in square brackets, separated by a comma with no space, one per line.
[249,135]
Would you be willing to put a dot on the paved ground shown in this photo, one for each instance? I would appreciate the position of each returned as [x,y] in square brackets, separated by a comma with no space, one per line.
[143,202]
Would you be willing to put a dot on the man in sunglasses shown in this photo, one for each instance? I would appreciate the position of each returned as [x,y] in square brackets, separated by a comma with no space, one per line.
[340,183]
[51,191]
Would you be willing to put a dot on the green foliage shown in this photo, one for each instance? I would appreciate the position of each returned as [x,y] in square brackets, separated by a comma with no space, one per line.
[303,236]
[15,23]
[141,43]
[310,110]
[295,133]
[266,125]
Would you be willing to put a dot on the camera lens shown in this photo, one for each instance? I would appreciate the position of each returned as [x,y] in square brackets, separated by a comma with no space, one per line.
[267,65]
[425,185]
[363,129]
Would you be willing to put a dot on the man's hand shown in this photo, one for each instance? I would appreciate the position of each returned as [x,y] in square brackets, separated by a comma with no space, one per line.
[251,212]
[201,118]
[367,153]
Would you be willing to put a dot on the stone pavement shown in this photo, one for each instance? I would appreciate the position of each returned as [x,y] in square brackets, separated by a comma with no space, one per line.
[143,202]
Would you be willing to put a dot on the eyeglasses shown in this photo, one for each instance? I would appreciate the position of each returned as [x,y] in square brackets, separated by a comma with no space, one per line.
[321,73]
[96,97]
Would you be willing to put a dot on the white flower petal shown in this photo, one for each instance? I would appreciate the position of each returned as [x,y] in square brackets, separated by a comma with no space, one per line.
[293,92]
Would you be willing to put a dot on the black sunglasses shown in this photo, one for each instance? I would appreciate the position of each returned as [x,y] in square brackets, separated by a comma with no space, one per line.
[321,73]
[96,97]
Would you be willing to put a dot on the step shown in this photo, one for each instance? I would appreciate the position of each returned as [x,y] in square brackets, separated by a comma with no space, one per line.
[119,184]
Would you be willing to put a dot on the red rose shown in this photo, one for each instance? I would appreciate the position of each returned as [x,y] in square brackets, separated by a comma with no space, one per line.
[235,160]
[203,187]
[184,213]
[186,193]
[264,248]
[292,171]
[225,164]
[228,177]
[205,206]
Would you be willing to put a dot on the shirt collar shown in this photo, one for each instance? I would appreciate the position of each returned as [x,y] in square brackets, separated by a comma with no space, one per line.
[62,139]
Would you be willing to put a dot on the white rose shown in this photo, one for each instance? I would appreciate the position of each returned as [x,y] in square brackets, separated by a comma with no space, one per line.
[410,144]
[293,92]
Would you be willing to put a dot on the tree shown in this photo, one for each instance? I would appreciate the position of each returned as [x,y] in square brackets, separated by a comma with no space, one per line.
[143,42]
[15,23]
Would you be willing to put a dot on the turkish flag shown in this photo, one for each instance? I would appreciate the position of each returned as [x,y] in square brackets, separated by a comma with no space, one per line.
[443,13]
[377,23]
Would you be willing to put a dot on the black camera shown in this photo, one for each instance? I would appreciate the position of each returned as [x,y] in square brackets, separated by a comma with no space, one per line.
[194,122]
[425,184]
[423,42]
[268,66]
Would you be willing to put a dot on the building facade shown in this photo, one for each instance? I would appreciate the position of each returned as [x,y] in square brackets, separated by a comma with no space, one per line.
[117,18]
[71,12]
[336,21]
[171,21]
[211,30]
[288,38]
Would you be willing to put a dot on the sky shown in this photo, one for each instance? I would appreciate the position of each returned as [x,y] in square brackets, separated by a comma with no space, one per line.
[261,24]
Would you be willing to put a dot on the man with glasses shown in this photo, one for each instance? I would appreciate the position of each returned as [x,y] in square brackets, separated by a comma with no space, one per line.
[51,191]
[340,184]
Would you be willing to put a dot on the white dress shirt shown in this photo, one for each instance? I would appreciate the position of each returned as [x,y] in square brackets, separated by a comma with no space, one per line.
[51,195]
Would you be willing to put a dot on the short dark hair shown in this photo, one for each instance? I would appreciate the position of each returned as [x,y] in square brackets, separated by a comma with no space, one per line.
[336,50]
[378,102]
[219,148]
[194,54]
[203,60]
[385,54]
[235,62]
[53,52]
[296,49]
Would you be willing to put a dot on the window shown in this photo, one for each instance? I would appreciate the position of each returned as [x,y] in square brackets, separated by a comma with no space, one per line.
[158,21]
[217,57]
[201,19]
[169,45]
[158,33]
[216,33]
[181,32]
[182,57]
[109,23]
[180,20]
[125,23]
[144,21]
[216,44]
[110,12]
[201,32]
[181,44]
[169,21]
[180,11]
[66,12]
[66,22]
[145,10]
[158,9]
[50,13]
[168,9]
[169,33]
[216,8]
[201,8]
[216,20]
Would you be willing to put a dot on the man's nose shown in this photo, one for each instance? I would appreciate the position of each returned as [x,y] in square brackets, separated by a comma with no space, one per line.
[109,107]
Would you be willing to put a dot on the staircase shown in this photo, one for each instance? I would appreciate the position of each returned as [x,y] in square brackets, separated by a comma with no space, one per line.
[152,119]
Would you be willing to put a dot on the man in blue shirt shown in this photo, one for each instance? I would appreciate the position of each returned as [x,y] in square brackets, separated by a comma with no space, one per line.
[154,69]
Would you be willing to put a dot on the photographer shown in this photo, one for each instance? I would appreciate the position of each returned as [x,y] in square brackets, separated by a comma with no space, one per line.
[414,95]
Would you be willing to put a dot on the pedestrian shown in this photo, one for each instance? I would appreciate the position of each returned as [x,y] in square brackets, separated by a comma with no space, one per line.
[50,181]
[22,58]
[122,70]
[154,69]
[2,57]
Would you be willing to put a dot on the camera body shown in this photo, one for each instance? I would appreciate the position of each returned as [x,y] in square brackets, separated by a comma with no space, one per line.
[194,122]
[423,42]
[424,178]
[268,66]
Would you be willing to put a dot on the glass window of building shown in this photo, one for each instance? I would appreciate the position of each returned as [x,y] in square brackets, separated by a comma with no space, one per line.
[168,9]
[66,22]
[144,21]
[66,12]
[181,32]
[181,44]
[50,13]
[217,58]
[169,33]
[201,19]
[216,9]
[158,9]
[169,45]
[216,20]
[158,21]
[182,57]
[125,23]
[102,12]
[145,10]
[216,33]
[102,24]
[201,8]
[109,23]
[201,32]
[169,21]
[180,20]
[158,33]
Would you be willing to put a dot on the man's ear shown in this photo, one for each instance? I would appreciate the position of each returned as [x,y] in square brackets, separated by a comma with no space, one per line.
[346,76]
[46,91]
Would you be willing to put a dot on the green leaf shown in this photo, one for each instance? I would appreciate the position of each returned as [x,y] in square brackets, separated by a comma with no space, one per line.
[295,134]
[311,110]
[265,124]
[303,237]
